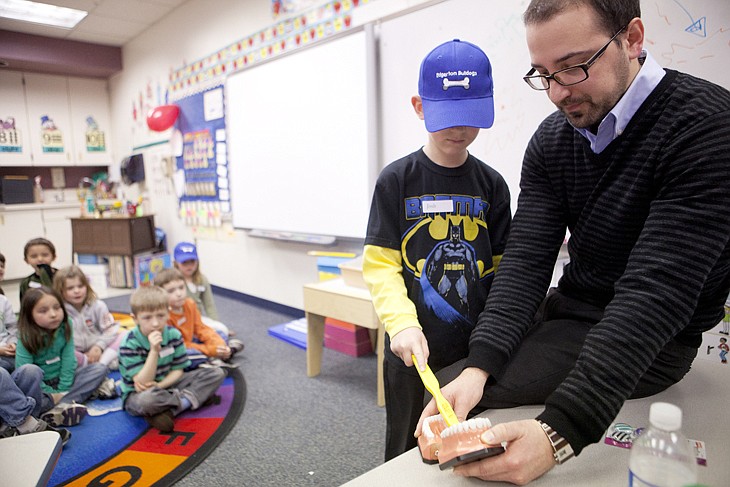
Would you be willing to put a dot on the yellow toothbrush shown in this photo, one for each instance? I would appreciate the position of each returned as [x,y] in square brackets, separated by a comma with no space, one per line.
[432,384]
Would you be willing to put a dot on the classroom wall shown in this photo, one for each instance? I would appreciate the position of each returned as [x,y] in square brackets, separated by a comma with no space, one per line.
[269,269]
[276,270]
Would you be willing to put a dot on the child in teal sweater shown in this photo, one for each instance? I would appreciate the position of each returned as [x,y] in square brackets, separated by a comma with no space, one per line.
[46,340]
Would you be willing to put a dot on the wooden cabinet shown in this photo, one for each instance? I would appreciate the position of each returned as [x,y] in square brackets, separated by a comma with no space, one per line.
[15,147]
[64,121]
[113,236]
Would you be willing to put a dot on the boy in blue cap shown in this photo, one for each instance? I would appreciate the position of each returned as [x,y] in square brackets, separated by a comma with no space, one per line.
[438,225]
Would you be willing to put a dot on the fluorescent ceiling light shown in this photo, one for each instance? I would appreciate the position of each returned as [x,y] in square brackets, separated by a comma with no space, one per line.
[41,13]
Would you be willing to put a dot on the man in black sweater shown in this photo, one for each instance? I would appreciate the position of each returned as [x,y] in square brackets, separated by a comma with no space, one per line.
[635,164]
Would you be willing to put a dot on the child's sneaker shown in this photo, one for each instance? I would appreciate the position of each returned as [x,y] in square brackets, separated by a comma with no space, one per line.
[65,414]
[9,431]
[107,389]
[235,345]
[164,421]
[216,362]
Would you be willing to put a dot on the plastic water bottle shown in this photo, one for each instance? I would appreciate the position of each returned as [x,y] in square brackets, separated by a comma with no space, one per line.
[661,456]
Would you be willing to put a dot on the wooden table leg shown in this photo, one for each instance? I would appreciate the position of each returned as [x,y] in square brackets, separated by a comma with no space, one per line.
[315,343]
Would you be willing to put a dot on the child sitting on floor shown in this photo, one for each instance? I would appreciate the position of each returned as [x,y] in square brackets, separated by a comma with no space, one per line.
[46,340]
[96,334]
[198,287]
[8,334]
[184,315]
[152,360]
[39,253]
[20,403]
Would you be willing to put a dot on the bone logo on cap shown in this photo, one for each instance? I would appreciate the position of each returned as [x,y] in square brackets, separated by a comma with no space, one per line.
[463,83]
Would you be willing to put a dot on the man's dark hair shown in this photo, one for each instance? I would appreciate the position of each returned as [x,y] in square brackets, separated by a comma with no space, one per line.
[613,15]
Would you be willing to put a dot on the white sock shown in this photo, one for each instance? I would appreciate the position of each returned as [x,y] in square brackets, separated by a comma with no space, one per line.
[108,355]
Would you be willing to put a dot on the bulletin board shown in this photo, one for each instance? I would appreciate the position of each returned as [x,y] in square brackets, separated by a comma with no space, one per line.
[300,140]
[199,144]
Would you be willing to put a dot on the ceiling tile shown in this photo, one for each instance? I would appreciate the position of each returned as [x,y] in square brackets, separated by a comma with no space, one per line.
[132,10]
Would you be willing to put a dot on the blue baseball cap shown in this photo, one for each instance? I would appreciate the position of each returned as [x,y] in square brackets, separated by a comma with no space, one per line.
[185,251]
[456,87]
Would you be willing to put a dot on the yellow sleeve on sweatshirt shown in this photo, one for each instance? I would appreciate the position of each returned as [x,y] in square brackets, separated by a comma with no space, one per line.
[382,270]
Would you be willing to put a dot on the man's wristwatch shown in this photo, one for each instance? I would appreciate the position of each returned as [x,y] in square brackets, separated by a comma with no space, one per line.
[562,451]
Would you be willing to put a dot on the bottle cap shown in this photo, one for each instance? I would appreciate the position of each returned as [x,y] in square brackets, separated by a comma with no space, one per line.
[665,416]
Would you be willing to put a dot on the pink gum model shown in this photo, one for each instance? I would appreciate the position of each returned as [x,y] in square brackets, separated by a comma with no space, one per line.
[430,440]
[461,443]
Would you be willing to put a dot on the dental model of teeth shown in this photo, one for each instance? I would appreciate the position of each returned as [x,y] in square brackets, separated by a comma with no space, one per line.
[462,443]
[454,445]
[430,440]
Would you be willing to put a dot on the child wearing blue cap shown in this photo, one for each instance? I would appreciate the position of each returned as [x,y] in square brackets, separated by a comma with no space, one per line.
[438,225]
[199,290]
[187,262]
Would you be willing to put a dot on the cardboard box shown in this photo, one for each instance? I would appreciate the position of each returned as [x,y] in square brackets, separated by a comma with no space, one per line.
[358,349]
[352,273]
[347,338]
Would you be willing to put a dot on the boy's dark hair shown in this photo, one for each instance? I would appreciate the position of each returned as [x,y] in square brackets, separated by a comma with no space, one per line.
[2,258]
[166,276]
[39,241]
[613,15]
[34,337]
[149,298]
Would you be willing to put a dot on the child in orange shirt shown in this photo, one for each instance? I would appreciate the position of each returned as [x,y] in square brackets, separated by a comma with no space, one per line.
[202,342]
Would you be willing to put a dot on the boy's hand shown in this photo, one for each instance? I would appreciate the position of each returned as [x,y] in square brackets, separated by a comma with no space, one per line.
[155,339]
[94,354]
[463,393]
[7,350]
[223,352]
[410,341]
[143,386]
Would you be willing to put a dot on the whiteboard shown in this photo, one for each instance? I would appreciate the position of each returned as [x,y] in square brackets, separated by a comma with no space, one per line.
[688,36]
[299,133]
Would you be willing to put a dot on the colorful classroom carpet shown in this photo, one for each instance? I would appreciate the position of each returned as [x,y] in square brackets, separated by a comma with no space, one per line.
[116,449]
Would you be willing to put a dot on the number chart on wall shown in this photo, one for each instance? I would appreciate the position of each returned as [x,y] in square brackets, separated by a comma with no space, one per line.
[200,149]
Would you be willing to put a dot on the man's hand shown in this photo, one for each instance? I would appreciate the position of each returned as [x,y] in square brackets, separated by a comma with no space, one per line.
[463,393]
[410,341]
[528,456]
[94,354]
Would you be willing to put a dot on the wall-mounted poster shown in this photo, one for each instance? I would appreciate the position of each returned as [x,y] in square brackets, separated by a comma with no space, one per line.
[201,158]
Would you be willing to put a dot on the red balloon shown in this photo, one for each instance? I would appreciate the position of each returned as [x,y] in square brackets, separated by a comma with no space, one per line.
[163,117]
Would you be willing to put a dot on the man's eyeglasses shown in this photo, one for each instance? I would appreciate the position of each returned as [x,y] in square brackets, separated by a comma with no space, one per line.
[571,75]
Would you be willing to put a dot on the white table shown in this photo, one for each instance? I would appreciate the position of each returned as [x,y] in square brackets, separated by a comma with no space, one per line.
[703,395]
[29,460]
